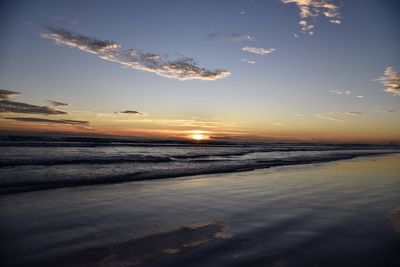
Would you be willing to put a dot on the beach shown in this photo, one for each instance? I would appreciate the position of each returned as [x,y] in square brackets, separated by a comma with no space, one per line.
[199,133]
[338,213]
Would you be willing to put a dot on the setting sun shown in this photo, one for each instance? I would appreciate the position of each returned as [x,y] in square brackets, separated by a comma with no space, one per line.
[199,135]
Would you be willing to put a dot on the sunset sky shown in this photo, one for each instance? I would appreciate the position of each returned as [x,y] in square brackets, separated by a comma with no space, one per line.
[266,69]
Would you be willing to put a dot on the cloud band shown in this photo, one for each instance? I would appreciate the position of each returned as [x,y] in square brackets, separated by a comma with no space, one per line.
[180,69]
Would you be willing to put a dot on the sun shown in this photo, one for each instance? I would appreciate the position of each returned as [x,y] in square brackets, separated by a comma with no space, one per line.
[199,135]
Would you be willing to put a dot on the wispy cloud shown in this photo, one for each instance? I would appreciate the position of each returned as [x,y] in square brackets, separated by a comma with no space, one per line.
[57,103]
[339,92]
[345,92]
[329,118]
[277,124]
[18,107]
[7,95]
[248,61]
[180,69]
[84,43]
[353,113]
[242,12]
[258,50]
[314,8]
[192,123]
[49,121]
[382,110]
[232,36]
[391,79]
[130,112]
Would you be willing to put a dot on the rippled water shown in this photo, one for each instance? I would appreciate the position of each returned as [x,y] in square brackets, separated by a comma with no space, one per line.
[27,166]
[340,213]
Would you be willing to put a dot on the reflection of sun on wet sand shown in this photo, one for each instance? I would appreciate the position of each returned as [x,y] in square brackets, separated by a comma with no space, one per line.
[395,219]
[149,249]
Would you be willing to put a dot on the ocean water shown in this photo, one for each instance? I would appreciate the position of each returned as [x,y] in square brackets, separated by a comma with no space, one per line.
[338,213]
[34,165]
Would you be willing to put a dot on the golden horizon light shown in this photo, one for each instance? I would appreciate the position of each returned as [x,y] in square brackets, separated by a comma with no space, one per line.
[199,135]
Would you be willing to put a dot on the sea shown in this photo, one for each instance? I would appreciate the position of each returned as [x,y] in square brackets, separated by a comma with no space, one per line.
[52,162]
[83,201]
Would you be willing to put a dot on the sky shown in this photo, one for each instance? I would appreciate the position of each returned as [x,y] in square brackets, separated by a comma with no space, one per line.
[309,70]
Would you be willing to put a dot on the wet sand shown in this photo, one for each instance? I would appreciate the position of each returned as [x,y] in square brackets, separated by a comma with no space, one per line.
[343,213]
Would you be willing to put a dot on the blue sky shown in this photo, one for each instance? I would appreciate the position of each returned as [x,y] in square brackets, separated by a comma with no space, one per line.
[297,89]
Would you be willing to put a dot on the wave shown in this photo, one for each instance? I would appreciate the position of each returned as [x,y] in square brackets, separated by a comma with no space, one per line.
[213,167]
[88,160]
[25,158]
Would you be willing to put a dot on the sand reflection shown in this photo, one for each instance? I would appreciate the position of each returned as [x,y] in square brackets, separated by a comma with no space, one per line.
[150,249]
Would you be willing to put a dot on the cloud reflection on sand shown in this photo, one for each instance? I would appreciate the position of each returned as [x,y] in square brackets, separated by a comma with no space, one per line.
[149,249]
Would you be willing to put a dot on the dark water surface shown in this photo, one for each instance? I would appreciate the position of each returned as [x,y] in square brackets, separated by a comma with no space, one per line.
[342,213]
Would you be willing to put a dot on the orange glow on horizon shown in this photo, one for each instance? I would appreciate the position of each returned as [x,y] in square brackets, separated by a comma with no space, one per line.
[358,134]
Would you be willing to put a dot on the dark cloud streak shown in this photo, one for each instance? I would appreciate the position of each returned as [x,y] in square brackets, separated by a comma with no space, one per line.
[51,121]
[7,94]
[57,103]
[131,112]
[19,107]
